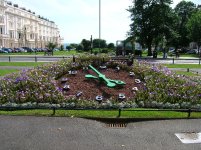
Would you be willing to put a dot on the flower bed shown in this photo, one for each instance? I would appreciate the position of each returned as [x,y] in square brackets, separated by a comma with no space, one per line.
[150,86]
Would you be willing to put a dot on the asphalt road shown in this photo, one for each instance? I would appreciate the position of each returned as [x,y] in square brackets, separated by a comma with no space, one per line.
[31,58]
[54,133]
[37,58]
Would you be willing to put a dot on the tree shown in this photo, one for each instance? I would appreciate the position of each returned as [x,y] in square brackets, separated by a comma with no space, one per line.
[86,44]
[111,46]
[149,20]
[102,43]
[69,47]
[51,47]
[79,47]
[194,28]
[73,45]
[61,48]
[183,10]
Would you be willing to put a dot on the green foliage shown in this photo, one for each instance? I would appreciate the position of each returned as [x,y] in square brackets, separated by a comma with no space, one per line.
[80,47]
[86,45]
[51,46]
[104,50]
[61,48]
[69,47]
[97,42]
[160,87]
[150,20]
[73,45]
[111,46]
[184,11]
[194,27]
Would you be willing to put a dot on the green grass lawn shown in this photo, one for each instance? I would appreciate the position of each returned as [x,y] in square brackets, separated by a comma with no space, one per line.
[7,71]
[190,66]
[103,113]
[186,73]
[16,64]
[21,63]
[56,53]
[189,55]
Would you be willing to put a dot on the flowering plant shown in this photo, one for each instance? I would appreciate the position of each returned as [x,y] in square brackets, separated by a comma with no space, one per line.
[151,86]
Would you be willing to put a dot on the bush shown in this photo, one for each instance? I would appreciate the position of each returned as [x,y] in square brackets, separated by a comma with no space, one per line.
[104,51]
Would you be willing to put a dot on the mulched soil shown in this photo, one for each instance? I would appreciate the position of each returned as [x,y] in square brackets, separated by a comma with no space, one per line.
[90,88]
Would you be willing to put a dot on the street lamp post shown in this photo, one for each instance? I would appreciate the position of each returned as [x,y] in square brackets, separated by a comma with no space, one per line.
[99,23]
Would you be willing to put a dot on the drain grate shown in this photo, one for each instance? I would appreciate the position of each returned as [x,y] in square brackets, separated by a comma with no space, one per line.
[116,125]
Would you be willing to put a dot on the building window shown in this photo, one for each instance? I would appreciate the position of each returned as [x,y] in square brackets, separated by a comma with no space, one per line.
[1,30]
[11,34]
[19,35]
[1,19]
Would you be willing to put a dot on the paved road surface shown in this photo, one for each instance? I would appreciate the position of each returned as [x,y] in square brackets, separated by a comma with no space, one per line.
[32,58]
[51,133]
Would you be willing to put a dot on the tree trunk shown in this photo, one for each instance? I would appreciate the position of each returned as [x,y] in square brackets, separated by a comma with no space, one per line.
[149,50]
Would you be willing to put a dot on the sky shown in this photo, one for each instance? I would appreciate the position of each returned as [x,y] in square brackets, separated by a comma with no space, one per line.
[79,19]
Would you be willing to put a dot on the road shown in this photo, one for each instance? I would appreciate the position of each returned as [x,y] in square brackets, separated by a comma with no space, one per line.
[32,58]
[55,133]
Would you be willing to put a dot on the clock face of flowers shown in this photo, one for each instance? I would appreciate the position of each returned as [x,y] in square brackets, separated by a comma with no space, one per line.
[64,83]
[87,81]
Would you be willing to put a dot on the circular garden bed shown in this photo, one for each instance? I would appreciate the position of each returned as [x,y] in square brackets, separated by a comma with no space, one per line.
[63,84]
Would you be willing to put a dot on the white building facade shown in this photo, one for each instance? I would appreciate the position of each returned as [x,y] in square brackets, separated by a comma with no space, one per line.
[20,27]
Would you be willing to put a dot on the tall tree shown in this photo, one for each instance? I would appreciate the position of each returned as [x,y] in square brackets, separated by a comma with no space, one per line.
[184,10]
[111,46]
[102,43]
[149,19]
[86,44]
[194,28]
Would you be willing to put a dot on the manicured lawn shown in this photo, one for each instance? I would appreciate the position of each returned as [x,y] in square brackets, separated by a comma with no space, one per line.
[189,55]
[21,63]
[186,73]
[7,71]
[103,113]
[15,64]
[63,53]
[190,66]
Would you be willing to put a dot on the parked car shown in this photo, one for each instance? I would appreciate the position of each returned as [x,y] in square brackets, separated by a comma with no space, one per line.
[12,50]
[39,49]
[22,50]
[44,49]
[192,51]
[7,50]
[15,50]
[35,49]
[2,51]
[171,49]
[55,49]
[28,49]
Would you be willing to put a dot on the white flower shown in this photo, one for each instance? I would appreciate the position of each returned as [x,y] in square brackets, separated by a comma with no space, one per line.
[137,81]
[134,89]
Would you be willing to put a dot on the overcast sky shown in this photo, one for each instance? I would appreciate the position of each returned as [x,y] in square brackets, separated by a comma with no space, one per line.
[79,19]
